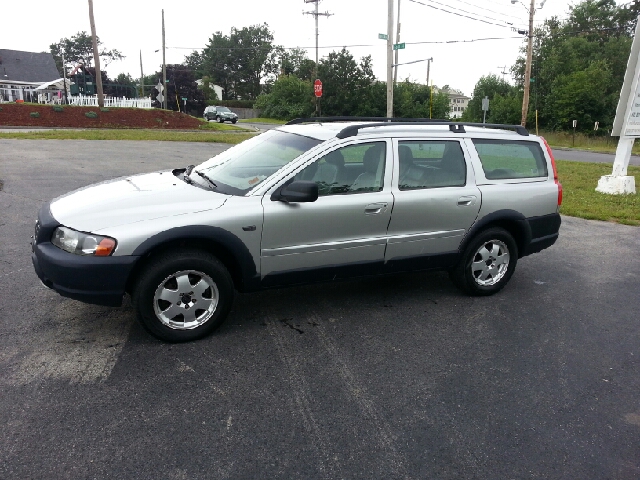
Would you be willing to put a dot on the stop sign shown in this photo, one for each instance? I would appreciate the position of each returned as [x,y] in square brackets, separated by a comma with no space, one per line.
[317,88]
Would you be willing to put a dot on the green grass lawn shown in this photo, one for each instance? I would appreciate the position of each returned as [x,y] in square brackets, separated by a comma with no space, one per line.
[579,181]
[131,134]
[605,144]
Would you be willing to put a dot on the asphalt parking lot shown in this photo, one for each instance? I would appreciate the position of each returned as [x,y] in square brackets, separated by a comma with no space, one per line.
[384,378]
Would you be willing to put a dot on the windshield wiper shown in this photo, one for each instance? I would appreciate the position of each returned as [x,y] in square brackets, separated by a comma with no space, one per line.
[211,182]
[187,172]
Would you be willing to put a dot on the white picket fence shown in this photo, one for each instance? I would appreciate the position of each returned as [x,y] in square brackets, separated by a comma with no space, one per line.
[92,101]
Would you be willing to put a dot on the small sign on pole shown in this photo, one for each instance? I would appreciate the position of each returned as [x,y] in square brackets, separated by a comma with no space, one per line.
[575,123]
[317,88]
[573,139]
[398,46]
[485,107]
[383,36]
[596,126]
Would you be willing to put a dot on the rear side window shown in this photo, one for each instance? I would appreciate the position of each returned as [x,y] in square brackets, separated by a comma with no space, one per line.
[431,164]
[504,159]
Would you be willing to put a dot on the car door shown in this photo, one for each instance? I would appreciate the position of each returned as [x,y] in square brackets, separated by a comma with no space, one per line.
[436,202]
[342,233]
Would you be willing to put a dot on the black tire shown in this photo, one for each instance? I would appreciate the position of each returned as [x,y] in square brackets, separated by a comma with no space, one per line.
[234,121]
[220,119]
[484,257]
[202,277]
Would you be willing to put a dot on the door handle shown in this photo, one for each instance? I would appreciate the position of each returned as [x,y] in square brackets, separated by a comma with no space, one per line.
[374,208]
[467,201]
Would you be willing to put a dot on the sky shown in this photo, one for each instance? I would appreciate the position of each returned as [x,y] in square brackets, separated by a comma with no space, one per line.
[134,27]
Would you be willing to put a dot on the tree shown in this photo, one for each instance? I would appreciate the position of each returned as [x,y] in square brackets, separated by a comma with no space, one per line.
[595,33]
[238,62]
[290,97]
[295,62]
[79,49]
[208,92]
[181,83]
[413,100]
[487,86]
[344,83]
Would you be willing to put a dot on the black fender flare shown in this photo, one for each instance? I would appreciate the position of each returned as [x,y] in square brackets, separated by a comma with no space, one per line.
[249,276]
[499,218]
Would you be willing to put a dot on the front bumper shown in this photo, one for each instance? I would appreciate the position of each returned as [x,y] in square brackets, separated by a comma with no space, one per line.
[97,280]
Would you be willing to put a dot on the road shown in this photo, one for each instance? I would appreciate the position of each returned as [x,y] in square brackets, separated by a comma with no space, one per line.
[398,377]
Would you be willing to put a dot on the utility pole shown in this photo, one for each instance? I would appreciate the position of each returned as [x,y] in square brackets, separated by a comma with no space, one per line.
[503,71]
[527,70]
[429,60]
[390,60]
[96,56]
[316,14]
[64,77]
[141,77]
[164,67]
[395,61]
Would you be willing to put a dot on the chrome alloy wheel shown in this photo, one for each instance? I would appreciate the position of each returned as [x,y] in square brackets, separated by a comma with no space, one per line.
[490,263]
[185,300]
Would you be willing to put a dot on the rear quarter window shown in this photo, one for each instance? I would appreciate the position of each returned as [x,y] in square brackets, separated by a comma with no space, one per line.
[508,159]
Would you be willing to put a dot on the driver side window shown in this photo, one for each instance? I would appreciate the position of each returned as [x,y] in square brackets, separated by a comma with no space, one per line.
[352,169]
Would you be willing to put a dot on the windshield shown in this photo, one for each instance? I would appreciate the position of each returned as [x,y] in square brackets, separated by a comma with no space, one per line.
[222,109]
[241,168]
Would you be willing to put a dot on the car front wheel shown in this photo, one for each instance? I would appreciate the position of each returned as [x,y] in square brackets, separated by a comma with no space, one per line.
[234,120]
[183,296]
[487,263]
[220,119]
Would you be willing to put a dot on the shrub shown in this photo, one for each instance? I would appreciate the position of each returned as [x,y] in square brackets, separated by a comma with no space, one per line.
[35,114]
[58,108]
[104,109]
[91,114]
[0,109]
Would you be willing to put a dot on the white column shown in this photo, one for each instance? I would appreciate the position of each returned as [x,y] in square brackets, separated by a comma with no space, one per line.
[618,183]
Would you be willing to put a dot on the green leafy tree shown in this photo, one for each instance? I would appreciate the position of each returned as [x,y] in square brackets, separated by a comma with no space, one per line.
[181,82]
[79,49]
[208,92]
[487,86]
[596,32]
[412,100]
[290,97]
[344,83]
[238,62]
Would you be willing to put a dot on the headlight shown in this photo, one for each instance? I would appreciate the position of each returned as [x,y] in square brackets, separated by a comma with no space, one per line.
[82,243]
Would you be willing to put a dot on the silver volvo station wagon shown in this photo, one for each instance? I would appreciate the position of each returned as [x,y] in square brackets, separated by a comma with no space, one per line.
[314,200]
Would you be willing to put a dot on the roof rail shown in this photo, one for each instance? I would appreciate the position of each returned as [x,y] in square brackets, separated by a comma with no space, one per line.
[352,130]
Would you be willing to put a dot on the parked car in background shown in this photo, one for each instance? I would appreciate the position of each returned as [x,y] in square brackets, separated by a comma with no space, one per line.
[220,114]
[304,202]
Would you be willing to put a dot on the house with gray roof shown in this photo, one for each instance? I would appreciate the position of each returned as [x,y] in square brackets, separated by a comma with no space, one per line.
[21,73]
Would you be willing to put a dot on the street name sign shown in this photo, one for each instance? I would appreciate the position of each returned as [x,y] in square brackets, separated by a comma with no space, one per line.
[383,36]
[398,46]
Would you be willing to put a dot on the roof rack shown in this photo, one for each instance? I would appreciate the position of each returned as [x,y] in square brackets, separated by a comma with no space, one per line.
[352,130]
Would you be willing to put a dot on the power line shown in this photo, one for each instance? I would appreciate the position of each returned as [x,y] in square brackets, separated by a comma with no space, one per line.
[472,40]
[488,10]
[509,25]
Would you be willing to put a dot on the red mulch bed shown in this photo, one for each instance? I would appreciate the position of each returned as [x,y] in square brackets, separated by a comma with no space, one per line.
[19,115]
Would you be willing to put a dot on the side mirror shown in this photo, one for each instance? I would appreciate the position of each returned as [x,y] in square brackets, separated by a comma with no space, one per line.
[297,192]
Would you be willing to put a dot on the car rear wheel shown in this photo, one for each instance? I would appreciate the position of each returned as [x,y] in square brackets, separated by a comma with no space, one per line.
[487,263]
[183,296]
[220,119]
[234,120]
